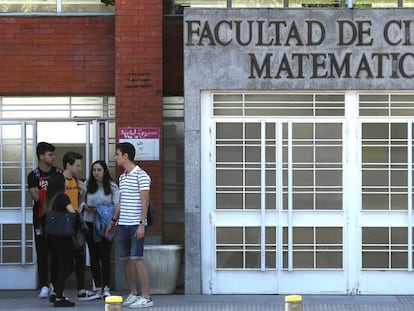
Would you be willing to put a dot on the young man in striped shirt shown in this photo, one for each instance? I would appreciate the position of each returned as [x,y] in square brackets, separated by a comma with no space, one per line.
[131,218]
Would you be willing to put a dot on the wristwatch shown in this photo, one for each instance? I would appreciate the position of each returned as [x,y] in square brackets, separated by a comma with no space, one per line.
[144,221]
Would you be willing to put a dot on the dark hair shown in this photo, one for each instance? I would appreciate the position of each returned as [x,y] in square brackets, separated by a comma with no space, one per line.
[56,185]
[44,147]
[70,157]
[106,181]
[127,148]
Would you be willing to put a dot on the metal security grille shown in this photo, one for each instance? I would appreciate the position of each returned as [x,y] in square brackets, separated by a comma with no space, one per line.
[278,105]
[390,105]
[277,168]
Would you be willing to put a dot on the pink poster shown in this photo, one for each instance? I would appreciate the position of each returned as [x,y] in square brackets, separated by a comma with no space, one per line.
[146,141]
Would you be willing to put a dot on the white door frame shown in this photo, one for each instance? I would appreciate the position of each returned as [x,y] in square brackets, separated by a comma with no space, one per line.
[13,273]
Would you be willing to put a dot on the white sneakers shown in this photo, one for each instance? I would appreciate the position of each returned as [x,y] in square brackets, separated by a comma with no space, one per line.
[134,301]
[86,295]
[106,292]
[130,300]
[142,303]
[44,292]
[103,293]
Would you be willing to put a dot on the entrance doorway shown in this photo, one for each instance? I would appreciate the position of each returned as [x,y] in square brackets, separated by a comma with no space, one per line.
[83,124]
[94,139]
[307,193]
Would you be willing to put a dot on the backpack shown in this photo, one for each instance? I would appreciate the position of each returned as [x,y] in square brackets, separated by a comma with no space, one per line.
[150,213]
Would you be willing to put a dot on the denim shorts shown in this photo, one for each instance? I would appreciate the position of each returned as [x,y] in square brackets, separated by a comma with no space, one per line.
[129,246]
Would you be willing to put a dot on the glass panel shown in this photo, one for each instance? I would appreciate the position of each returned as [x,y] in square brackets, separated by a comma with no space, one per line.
[375,260]
[303,154]
[375,178]
[270,258]
[303,201]
[253,260]
[315,248]
[11,244]
[229,201]
[399,260]
[253,235]
[253,154]
[317,164]
[399,202]
[173,169]
[229,178]
[28,6]
[85,6]
[387,104]
[253,200]
[229,235]
[57,107]
[229,260]
[375,201]
[257,3]
[303,236]
[271,201]
[328,235]
[302,178]
[384,248]
[239,247]
[229,153]
[328,260]
[50,6]
[375,4]
[229,131]
[384,177]
[202,3]
[328,154]
[313,3]
[278,104]
[328,201]
[328,178]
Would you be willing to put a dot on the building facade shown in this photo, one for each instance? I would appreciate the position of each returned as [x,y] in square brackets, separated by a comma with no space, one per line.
[284,160]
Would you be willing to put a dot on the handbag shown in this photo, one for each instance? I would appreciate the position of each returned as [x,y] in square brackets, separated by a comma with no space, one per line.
[60,224]
[79,238]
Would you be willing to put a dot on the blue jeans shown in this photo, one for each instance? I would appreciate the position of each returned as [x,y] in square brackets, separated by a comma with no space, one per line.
[129,246]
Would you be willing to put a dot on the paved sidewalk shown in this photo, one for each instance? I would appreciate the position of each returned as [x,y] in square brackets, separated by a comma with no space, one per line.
[27,300]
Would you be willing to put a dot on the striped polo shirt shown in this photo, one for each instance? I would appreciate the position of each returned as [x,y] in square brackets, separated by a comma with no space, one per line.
[130,186]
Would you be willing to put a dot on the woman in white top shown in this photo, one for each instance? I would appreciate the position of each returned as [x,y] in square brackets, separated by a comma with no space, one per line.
[101,189]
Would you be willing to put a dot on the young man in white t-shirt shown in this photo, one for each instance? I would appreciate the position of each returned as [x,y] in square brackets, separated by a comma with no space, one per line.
[131,218]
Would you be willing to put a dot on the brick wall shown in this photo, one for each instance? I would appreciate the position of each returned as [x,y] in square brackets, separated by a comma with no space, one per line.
[57,56]
[138,79]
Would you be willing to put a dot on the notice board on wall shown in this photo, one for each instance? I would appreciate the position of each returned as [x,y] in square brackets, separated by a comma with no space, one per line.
[146,141]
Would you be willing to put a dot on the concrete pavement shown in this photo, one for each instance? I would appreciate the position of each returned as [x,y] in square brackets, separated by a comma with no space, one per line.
[27,300]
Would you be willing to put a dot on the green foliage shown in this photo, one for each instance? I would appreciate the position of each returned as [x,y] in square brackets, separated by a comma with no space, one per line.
[108,2]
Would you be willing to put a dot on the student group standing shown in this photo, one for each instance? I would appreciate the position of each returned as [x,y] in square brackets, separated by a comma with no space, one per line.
[93,200]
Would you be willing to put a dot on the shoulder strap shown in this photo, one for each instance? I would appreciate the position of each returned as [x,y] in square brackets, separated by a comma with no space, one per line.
[36,171]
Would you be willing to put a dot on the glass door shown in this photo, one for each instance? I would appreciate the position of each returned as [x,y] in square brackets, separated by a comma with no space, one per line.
[17,251]
[385,218]
[276,208]
[94,139]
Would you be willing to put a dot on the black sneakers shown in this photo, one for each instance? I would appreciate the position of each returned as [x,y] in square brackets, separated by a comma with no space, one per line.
[63,303]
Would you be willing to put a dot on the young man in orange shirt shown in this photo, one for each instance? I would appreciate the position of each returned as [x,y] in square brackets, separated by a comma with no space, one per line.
[76,191]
